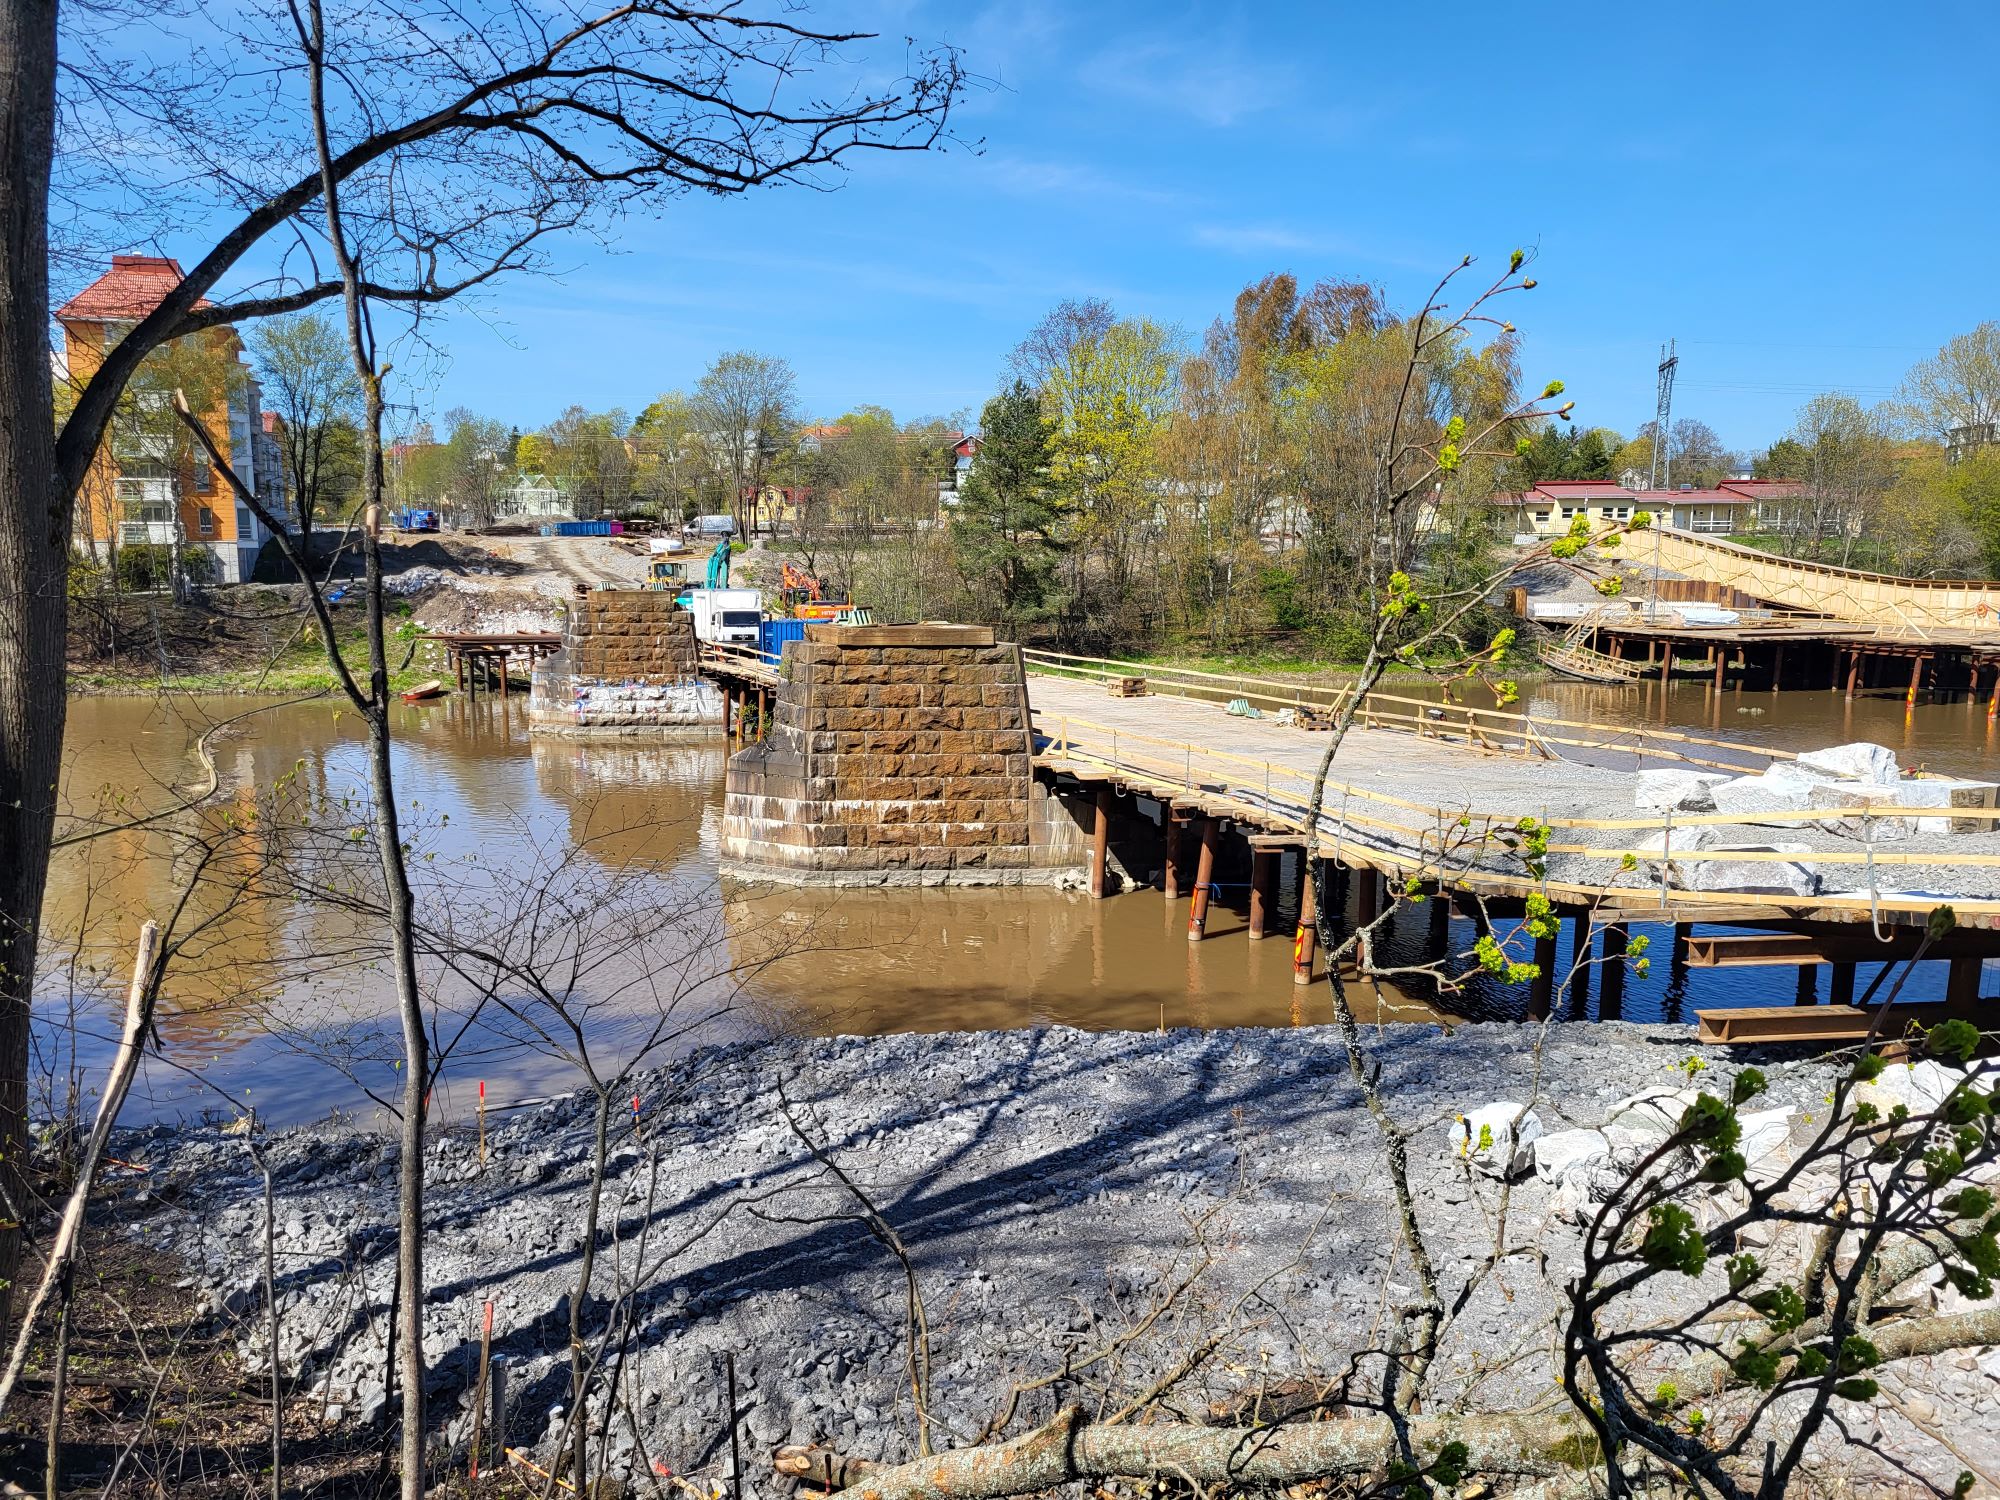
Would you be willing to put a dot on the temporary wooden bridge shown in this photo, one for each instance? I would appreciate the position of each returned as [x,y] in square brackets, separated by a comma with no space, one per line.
[1434,793]
[1826,627]
[1920,607]
[490,657]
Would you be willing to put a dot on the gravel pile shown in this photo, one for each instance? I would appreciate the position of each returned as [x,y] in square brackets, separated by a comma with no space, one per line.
[1048,1186]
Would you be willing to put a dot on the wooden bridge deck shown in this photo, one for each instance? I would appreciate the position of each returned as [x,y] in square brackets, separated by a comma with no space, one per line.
[1413,803]
[1947,611]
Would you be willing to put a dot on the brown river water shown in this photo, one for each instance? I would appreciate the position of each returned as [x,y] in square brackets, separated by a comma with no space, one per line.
[286,1003]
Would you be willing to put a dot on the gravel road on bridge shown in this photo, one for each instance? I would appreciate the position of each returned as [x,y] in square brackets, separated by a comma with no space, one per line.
[1455,780]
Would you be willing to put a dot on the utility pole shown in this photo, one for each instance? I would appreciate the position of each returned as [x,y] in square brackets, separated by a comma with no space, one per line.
[1659,474]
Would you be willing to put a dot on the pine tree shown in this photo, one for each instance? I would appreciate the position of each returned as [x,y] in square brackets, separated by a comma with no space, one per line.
[1007,532]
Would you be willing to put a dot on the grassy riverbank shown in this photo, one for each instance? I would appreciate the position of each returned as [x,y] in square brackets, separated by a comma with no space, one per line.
[1308,670]
[244,642]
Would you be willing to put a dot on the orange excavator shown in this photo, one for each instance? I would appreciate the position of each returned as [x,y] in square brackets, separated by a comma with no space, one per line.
[803,597]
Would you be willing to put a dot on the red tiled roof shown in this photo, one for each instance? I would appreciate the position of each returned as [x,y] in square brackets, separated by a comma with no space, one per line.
[1603,489]
[1774,489]
[132,288]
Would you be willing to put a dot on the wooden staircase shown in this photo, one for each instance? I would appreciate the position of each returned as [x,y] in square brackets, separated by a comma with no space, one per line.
[1574,658]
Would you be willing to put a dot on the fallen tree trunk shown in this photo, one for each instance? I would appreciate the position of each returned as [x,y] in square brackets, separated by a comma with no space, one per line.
[1069,1449]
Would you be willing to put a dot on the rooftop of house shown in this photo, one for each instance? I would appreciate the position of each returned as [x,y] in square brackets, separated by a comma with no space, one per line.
[132,288]
[1727,492]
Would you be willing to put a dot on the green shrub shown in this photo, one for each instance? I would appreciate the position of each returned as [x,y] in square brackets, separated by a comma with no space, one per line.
[143,566]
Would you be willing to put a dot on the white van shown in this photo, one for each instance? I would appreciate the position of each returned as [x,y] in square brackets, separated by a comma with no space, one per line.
[731,617]
[710,528]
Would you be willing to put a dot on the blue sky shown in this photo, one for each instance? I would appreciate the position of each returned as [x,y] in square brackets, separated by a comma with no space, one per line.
[1803,195]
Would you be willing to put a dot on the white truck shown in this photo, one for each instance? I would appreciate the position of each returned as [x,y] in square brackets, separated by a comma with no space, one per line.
[727,617]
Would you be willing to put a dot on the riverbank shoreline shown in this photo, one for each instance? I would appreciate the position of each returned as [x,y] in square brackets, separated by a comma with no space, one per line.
[1047,1184]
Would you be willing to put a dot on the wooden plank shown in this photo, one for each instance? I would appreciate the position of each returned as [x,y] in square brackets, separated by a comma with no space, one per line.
[1833,944]
[857,636]
[1807,1023]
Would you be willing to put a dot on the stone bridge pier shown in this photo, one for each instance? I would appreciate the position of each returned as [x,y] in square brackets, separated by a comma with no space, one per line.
[898,755]
[628,667]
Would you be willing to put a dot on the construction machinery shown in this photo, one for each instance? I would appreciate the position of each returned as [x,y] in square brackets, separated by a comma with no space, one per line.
[801,596]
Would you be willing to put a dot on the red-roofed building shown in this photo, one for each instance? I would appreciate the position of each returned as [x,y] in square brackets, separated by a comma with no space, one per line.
[148,485]
[1735,505]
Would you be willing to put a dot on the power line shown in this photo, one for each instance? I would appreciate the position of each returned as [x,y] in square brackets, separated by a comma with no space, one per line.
[1659,472]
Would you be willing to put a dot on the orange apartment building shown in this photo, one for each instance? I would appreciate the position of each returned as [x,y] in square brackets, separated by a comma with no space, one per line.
[145,486]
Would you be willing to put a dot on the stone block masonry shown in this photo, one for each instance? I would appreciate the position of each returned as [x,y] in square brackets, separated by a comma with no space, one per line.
[627,667]
[898,754]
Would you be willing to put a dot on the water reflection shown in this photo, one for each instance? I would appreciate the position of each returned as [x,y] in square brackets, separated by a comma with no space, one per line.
[487,807]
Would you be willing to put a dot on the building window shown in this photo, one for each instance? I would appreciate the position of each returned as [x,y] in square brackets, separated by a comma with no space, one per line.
[1569,512]
[1615,512]
[204,473]
[205,520]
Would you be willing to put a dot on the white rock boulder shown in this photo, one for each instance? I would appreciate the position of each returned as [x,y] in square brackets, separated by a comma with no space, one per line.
[1591,1182]
[1651,1114]
[1784,877]
[1498,1138]
[1947,791]
[1767,1141]
[1851,799]
[1859,761]
[1657,853]
[1676,791]
[1556,1153]
[1776,790]
[1922,1085]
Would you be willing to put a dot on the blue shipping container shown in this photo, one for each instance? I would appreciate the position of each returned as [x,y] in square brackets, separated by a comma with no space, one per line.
[773,634]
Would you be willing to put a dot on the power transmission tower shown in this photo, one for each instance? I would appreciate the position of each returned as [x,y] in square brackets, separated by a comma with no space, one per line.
[1659,473]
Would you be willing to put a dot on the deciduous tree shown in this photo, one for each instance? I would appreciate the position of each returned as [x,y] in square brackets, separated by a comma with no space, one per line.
[744,410]
[456,138]
[309,384]
[1957,387]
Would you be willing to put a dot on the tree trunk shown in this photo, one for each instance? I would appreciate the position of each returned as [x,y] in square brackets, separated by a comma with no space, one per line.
[35,514]
[579,1359]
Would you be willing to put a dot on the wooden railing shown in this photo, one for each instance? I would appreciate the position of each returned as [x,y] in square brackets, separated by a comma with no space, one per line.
[740,661]
[1914,604]
[1485,729]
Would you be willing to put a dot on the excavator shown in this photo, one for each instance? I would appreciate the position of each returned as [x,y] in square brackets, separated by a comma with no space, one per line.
[671,573]
[803,597]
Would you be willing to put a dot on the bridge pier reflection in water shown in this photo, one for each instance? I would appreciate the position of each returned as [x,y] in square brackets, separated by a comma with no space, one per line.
[893,959]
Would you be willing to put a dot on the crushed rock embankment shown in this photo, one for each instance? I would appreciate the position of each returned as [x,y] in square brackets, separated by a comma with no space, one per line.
[1048,1184]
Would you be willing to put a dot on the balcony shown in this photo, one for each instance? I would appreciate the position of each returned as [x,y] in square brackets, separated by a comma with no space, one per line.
[136,495]
[140,533]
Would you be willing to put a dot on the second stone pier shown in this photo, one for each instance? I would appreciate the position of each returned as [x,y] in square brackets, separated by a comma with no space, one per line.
[898,754]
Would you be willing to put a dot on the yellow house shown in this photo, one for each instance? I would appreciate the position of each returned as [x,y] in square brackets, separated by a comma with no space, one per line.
[1733,506]
[145,485]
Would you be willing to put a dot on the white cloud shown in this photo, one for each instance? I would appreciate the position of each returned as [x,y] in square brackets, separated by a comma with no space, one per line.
[1252,239]
[1204,78]
[1033,178]
[1262,239]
